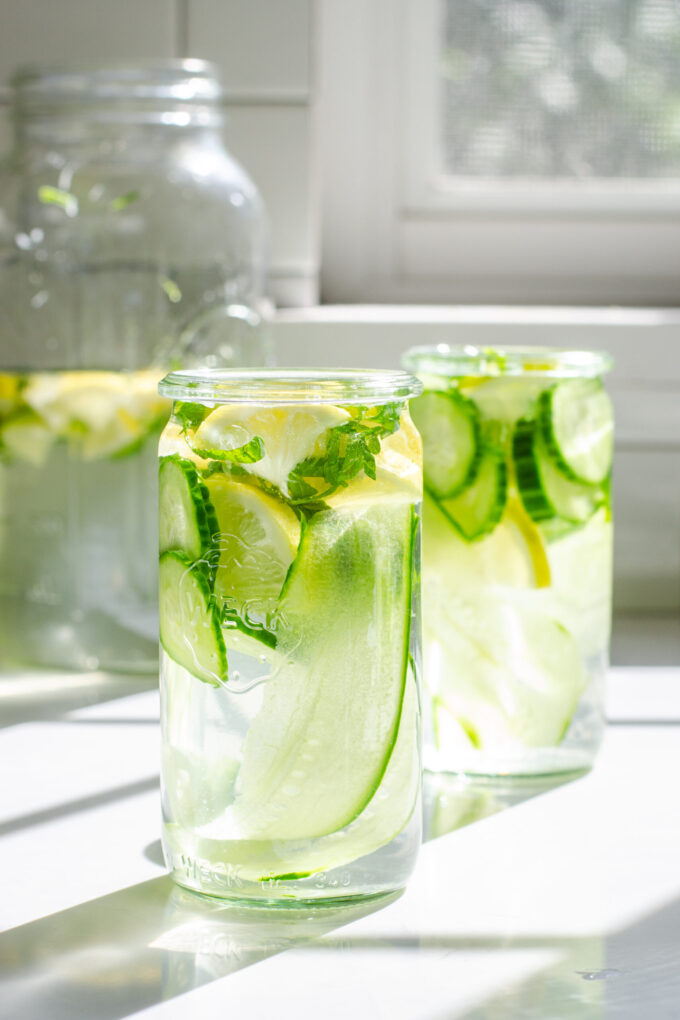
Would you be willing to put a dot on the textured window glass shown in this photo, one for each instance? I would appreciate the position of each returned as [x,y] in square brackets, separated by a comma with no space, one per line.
[576,89]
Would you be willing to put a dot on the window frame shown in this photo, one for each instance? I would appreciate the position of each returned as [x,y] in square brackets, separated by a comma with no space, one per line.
[393,230]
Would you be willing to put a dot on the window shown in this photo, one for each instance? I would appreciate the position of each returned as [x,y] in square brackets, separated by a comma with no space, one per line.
[523,151]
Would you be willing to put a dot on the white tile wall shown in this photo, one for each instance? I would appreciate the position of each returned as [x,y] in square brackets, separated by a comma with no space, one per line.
[647,529]
[264,51]
[261,46]
[48,31]
[282,168]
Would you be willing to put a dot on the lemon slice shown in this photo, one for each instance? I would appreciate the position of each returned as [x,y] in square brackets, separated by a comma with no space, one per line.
[289,434]
[257,540]
[10,386]
[101,413]
[513,555]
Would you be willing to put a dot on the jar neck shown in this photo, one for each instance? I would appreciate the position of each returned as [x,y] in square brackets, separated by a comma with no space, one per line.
[73,127]
[161,102]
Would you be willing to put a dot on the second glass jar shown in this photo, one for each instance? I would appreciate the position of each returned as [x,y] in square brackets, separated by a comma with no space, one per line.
[517,556]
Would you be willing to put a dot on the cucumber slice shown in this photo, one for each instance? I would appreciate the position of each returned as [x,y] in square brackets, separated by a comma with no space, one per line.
[385,816]
[27,438]
[544,489]
[189,622]
[503,399]
[345,616]
[510,676]
[513,555]
[187,520]
[478,509]
[449,426]
[577,424]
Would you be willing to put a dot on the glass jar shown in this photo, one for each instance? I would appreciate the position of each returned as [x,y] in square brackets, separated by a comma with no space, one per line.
[289,557]
[517,556]
[130,241]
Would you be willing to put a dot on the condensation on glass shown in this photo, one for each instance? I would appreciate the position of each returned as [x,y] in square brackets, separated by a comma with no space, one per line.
[130,241]
[579,91]
[517,557]
[289,622]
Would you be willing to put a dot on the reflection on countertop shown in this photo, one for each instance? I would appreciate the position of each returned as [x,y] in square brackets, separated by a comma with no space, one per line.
[146,944]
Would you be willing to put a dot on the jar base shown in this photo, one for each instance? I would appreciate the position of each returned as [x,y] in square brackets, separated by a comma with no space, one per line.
[543,763]
[289,901]
[219,874]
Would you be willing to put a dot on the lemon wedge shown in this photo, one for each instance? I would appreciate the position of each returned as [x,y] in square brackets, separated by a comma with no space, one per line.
[101,413]
[257,540]
[289,434]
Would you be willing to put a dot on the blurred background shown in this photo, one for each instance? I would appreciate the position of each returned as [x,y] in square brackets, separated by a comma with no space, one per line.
[477,171]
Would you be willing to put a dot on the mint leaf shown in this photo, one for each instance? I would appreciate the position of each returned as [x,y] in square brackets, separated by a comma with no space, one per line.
[213,468]
[189,415]
[249,453]
[350,449]
[56,196]
[172,291]
[123,201]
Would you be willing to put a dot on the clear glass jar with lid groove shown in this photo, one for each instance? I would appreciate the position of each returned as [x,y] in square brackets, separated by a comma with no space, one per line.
[130,242]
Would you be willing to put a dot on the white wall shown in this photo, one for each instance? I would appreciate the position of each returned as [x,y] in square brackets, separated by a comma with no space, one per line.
[264,49]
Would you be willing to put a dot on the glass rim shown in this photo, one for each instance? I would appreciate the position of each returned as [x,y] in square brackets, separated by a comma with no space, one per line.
[162,80]
[447,360]
[281,386]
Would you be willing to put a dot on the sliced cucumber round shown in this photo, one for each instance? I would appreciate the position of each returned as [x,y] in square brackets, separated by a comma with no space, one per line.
[189,622]
[187,520]
[449,426]
[577,425]
[503,399]
[26,437]
[545,491]
[477,510]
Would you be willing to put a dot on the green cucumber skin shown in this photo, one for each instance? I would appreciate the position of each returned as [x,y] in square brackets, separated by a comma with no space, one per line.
[410,567]
[545,418]
[469,412]
[529,482]
[539,503]
[204,517]
[491,518]
[178,565]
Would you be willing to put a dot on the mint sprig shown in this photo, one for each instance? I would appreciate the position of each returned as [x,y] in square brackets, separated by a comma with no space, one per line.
[189,415]
[350,449]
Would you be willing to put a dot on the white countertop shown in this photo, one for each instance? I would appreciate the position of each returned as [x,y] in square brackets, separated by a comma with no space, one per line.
[559,902]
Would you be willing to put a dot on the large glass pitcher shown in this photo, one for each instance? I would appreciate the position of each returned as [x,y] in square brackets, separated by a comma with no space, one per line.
[130,242]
